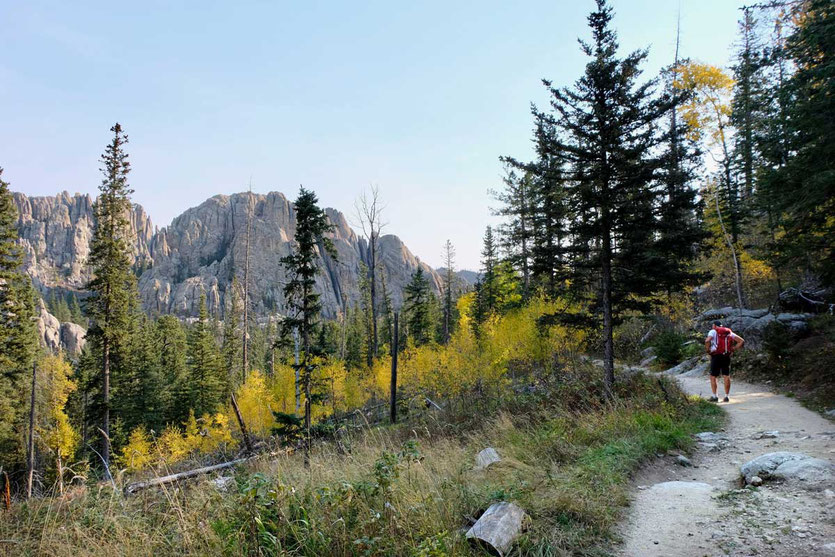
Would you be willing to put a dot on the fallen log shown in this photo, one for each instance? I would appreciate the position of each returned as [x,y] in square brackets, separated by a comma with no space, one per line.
[138,486]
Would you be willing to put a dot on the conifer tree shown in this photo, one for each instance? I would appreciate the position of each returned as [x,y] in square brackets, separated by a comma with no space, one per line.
[207,381]
[171,346]
[516,233]
[232,343]
[449,317]
[369,315]
[418,308]
[113,303]
[304,307]
[807,196]
[597,166]
[18,340]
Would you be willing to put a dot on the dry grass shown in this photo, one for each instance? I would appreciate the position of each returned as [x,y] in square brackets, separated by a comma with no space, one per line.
[403,490]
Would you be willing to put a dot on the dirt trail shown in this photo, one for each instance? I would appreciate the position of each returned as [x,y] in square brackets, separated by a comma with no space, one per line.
[701,510]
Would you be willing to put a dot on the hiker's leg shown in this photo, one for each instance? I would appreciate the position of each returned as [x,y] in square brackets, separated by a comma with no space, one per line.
[713,384]
[727,379]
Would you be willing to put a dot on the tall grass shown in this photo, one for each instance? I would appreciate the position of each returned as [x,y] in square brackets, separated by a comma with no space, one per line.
[567,454]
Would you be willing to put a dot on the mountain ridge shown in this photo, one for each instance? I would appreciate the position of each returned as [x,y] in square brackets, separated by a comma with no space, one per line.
[202,250]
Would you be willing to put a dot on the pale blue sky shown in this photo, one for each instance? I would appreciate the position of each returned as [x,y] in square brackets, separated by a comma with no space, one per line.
[420,98]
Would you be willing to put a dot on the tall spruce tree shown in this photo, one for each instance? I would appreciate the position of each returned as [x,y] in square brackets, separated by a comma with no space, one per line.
[418,308]
[597,147]
[171,347]
[807,195]
[18,340]
[113,304]
[448,293]
[207,378]
[304,307]
[516,233]
[232,343]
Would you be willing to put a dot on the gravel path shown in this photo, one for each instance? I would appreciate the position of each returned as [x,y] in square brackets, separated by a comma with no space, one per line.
[702,510]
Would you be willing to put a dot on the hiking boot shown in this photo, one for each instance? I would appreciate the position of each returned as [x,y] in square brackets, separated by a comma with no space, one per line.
[726,399]
[714,398]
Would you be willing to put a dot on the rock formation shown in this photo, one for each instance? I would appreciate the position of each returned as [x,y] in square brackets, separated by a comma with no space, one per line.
[56,336]
[203,250]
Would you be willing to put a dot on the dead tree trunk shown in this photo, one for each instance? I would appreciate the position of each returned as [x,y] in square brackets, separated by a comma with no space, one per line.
[394,350]
[31,448]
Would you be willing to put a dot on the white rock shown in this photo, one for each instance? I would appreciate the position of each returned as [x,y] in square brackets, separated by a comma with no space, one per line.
[486,457]
[794,467]
[498,527]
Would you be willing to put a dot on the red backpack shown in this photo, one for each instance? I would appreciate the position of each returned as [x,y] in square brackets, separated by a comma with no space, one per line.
[723,341]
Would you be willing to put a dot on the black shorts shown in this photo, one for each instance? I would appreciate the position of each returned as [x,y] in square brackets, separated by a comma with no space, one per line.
[720,364]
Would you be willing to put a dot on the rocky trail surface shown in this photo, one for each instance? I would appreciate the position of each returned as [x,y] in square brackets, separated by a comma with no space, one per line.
[698,506]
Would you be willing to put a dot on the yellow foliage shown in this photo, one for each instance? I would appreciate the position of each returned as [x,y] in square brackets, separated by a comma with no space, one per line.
[138,453]
[708,112]
[448,370]
[256,403]
[55,387]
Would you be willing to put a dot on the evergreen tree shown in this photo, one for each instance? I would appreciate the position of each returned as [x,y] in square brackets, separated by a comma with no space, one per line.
[680,233]
[450,317]
[140,400]
[596,160]
[304,307]
[369,315]
[207,379]
[517,233]
[171,346]
[806,197]
[18,339]
[232,344]
[418,308]
[113,304]
[387,311]
[487,288]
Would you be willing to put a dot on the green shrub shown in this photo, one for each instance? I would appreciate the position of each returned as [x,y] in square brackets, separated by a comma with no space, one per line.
[777,340]
[668,346]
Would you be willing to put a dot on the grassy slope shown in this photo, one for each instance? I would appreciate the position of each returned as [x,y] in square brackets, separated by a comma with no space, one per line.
[403,490]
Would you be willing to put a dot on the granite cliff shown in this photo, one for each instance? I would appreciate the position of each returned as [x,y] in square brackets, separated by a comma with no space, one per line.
[203,250]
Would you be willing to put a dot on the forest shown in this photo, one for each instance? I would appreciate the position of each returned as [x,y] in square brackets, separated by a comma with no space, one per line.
[650,199]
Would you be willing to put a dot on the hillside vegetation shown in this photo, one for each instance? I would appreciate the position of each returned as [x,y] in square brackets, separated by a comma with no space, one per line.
[409,489]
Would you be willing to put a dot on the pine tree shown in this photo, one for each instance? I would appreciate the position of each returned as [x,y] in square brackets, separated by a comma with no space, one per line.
[171,345]
[368,313]
[207,378]
[232,345]
[596,165]
[807,196]
[449,309]
[418,308]
[516,234]
[18,340]
[113,303]
[304,307]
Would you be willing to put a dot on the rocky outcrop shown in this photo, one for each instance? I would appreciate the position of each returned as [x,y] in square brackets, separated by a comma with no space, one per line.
[55,233]
[57,336]
[203,250]
[750,323]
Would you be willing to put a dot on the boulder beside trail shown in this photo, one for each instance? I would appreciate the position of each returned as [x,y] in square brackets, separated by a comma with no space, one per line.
[498,527]
[809,472]
[486,457]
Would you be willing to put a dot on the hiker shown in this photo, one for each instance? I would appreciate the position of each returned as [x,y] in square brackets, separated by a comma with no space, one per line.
[720,343]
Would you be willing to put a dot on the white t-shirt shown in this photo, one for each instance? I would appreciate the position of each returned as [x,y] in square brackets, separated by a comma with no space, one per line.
[713,338]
